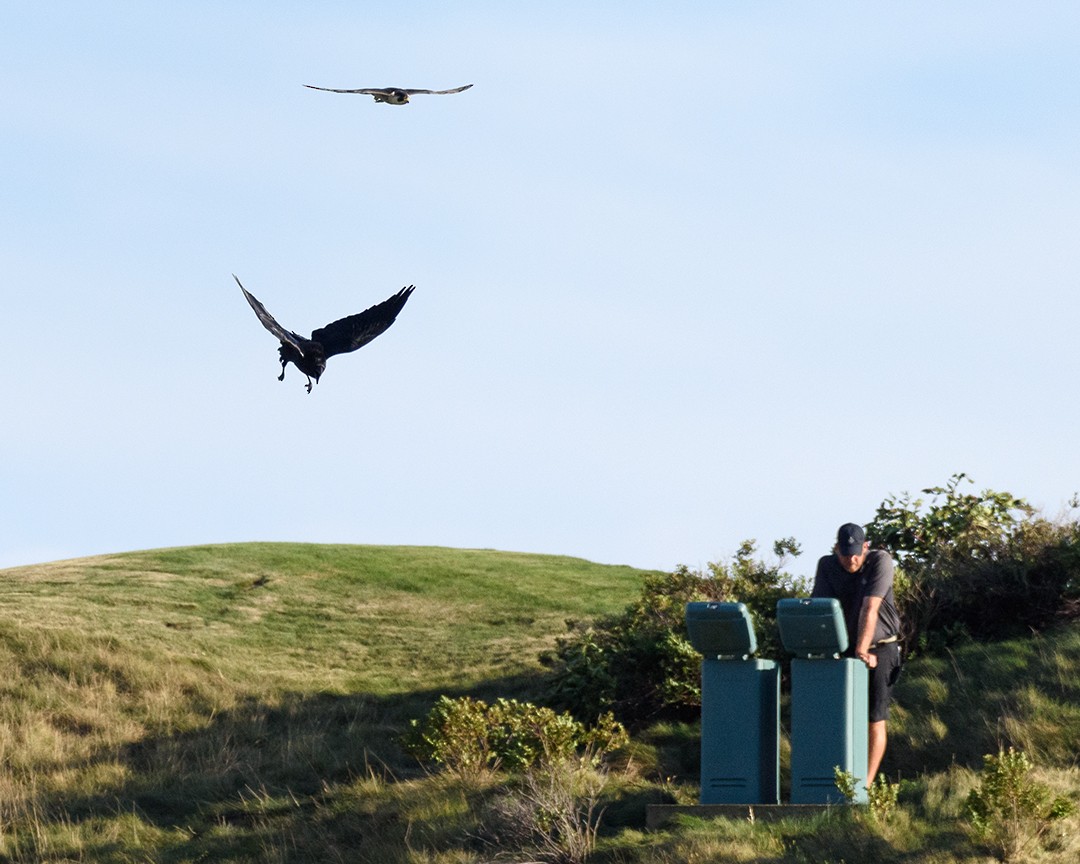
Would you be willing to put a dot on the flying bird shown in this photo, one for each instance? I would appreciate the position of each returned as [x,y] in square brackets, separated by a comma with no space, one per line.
[338,337]
[390,95]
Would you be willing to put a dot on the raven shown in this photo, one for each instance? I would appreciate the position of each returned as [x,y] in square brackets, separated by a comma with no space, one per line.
[390,95]
[339,337]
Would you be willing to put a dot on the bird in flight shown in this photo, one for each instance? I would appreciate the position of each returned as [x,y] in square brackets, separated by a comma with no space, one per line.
[338,337]
[390,95]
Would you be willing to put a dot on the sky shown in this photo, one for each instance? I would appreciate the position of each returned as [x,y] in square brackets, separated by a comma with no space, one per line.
[686,273]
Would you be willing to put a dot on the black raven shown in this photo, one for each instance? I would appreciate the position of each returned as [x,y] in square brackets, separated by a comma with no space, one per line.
[390,95]
[339,337]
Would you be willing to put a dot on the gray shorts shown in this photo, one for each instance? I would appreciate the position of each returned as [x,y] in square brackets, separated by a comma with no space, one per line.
[882,678]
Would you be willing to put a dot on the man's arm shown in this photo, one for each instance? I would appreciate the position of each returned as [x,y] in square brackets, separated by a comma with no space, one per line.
[868,616]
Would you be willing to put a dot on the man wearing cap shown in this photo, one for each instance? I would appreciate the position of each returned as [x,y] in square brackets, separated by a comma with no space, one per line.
[862,580]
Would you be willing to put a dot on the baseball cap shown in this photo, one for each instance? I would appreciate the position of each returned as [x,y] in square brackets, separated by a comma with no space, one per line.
[850,539]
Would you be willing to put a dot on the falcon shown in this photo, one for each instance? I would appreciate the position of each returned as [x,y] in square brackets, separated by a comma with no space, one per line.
[338,337]
[390,95]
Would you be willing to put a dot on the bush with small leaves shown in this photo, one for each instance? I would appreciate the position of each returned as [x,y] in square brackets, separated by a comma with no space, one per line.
[845,783]
[1009,810]
[640,664]
[984,565]
[881,795]
[468,737]
[455,734]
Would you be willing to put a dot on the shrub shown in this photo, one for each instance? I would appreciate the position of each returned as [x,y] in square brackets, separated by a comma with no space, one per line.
[639,670]
[1009,810]
[552,813]
[881,795]
[846,784]
[551,808]
[640,665]
[985,565]
[759,585]
[467,736]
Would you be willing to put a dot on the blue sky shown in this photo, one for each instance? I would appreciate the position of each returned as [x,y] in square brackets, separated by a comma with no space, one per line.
[686,273]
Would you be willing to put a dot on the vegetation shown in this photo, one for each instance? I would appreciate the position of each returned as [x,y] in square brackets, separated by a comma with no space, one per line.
[1010,810]
[468,737]
[881,797]
[552,808]
[639,663]
[247,703]
[968,566]
[552,812]
[983,565]
[244,702]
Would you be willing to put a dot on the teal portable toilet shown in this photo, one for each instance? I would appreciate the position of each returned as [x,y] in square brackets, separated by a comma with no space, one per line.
[829,702]
[740,708]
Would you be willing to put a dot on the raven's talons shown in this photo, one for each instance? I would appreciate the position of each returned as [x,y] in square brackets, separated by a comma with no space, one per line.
[309,356]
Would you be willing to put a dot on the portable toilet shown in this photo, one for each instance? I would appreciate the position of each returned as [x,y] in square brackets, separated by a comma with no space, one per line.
[829,702]
[740,707]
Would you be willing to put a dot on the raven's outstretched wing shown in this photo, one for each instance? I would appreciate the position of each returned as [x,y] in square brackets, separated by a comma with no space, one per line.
[269,323]
[348,334]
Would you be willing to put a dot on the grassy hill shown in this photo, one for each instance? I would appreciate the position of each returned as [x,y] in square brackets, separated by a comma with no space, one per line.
[308,618]
[151,700]
[241,703]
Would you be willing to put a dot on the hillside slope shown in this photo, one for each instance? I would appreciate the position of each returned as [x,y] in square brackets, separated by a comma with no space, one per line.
[168,694]
[242,703]
[315,617]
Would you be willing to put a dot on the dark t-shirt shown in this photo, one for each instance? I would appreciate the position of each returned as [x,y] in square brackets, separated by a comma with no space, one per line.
[873,579]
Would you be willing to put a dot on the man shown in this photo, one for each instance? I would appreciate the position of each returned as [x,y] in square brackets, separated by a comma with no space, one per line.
[862,580]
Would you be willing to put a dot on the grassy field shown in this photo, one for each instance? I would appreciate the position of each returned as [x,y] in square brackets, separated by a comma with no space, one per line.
[241,703]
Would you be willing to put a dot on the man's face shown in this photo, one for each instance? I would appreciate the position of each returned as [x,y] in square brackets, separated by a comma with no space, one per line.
[852,563]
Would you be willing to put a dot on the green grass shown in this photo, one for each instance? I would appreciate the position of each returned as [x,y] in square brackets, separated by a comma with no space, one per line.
[979,697]
[305,617]
[195,703]
[241,703]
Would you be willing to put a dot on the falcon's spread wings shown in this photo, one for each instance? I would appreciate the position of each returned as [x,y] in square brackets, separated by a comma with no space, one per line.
[387,91]
[369,91]
[439,92]
[348,334]
[269,323]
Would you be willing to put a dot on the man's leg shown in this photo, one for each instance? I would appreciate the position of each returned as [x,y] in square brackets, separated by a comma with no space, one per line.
[878,738]
[882,678]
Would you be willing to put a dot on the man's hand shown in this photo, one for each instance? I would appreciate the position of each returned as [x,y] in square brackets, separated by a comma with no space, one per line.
[869,659]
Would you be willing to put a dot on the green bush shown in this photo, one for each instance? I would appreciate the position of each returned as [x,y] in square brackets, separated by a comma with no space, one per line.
[981,565]
[640,665]
[1009,810]
[758,584]
[881,795]
[984,565]
[468,737]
